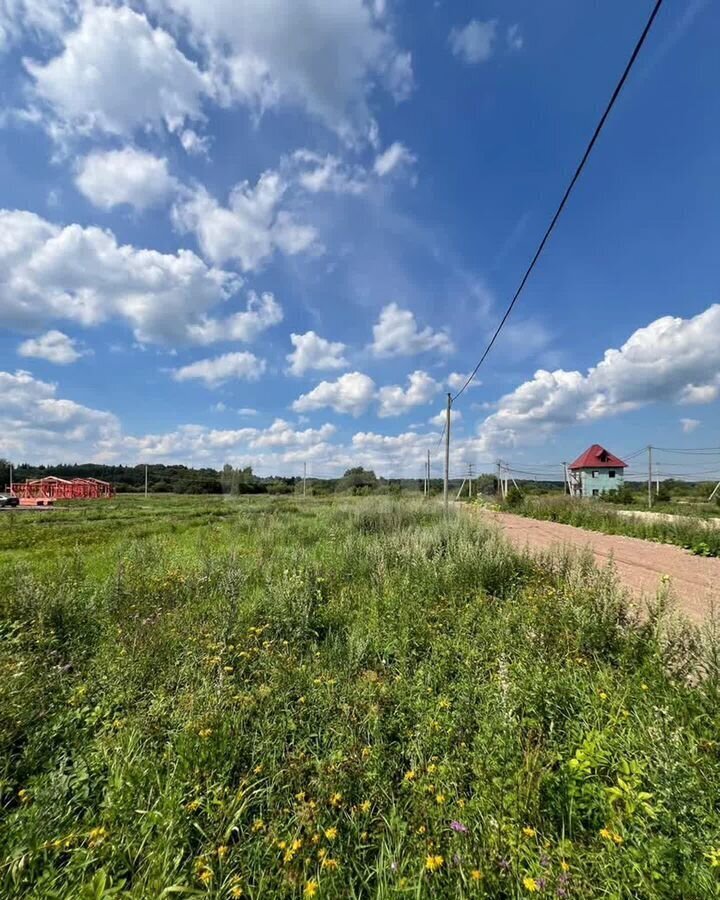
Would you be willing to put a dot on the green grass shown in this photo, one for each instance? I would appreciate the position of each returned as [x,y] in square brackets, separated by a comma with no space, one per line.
[268,697]
[690,532]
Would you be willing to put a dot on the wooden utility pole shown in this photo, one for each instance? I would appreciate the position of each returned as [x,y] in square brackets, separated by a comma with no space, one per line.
[650,498]
[446,483]
[470,478]
[11,481]
[146,482]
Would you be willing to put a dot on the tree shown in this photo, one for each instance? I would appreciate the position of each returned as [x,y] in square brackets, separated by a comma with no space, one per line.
[663,493]
[358,480]
[5,465]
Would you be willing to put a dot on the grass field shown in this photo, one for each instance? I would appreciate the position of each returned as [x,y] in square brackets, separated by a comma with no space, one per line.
[692,531]
[347,698]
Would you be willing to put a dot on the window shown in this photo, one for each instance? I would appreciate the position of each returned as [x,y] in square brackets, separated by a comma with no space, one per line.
[611,473]
[596,493]
[594,473]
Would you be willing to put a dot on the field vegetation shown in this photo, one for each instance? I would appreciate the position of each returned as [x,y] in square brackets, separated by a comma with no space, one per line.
[691,531]
[336,699]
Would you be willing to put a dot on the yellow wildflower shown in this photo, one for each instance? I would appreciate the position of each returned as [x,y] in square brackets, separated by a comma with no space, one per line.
[609,835]
[206,876]
[420,829]
[365,806]
[602,695]
[322,853]
[643,686]
[409,775]
[258,825]
[331,833]
[530,885]
[713,855]
[433,863]
[222,852]
[24,796]
[439,799]
[258,769]
[205,733]
[331,864]
[97,836]
[564,866]
[529,832]
[476,875]
[336,799]
[311,888]
[236,890]
[431,768]
[300,796]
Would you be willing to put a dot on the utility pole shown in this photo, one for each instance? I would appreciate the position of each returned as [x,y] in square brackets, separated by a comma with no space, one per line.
[146,482]
[470,478]
[499,482]
[304,478]
[649,477]
[11,481]
[427,476]
[446,484]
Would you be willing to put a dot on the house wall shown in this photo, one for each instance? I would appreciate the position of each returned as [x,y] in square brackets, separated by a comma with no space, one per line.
[600,482]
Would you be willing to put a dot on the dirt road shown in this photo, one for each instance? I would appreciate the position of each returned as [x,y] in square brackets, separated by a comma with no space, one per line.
[694,580]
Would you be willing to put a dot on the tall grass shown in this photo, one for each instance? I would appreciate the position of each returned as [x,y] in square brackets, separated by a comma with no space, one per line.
[689,532]
[351,699]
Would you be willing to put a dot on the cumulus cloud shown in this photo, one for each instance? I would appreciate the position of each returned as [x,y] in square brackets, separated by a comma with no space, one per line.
[514,38]
[262,312]
[213,372]
[117,73]
[250,229]
[689,425]
[670,360]
[314,352]
[394,400]
[397,334]
[397,156]
[475,42]
[124,176]
[439,420]
[324,56]
[456,380]
[53,346]
[50,272]
[352,393]
[316,173]
[36,421]
[33,17]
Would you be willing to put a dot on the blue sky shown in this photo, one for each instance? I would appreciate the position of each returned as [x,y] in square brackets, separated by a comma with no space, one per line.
[272,233]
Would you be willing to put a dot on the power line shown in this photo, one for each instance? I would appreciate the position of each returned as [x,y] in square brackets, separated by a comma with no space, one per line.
[568,191]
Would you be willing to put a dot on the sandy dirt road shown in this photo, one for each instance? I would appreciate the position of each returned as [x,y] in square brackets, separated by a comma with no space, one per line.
[640,565]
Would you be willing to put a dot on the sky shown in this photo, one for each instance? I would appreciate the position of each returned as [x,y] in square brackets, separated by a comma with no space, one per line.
[277,232]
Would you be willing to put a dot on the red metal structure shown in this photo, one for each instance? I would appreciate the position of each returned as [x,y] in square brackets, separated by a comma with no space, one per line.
[54,488]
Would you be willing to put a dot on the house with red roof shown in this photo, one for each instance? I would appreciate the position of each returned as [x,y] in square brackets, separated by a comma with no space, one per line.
[596,472]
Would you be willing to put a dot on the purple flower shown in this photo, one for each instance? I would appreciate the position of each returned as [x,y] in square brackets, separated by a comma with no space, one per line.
[544,861]
[504,864]
[458,826]
[561,892]
[541,882]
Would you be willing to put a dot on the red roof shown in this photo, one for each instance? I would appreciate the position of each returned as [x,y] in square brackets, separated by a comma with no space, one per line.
[597,457]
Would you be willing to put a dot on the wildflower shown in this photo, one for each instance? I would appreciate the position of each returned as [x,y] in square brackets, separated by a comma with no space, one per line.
[714,856]
[331,833]
[440,799]
[530,885]
[602,695]
[258,769]
[609,835]
[409,775]
[97,836]
[365,806]
[322,853]
[564,866]
[236,890]
[420,829]
[228,669]
[24,796]
[205,733]
[643,686]
[282,845]
[331,864]
[206,876]
[336,799]
[431,769]
[433,863]
[193,805]
[222,852]
[311,888]
[476,875]
[257,825]
[458,827]
[529,832]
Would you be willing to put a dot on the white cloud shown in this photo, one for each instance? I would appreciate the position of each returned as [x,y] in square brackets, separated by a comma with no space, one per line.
[397,333]
[262,312]
[242,366]
[395,156]
[394,401]
[456,380]
[351,393]
[250,229]
[689,425]
[83,275]
[514,38]
[322,55]
[670,360]
[53,346]
[282,434]
[195,144]
[116,73]
[314,352]
[328,173]
[40,17]
[124,176]
[35,421]
[439,420]
[475,42]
